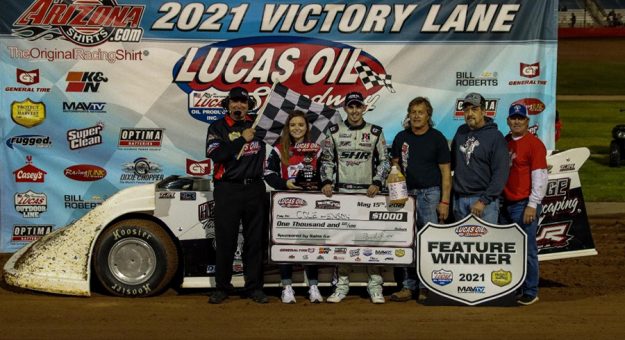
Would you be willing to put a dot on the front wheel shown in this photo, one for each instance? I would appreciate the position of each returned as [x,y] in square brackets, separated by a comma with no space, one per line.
[135,258]
[615,154]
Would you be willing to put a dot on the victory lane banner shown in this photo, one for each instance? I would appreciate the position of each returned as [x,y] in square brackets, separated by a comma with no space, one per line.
[471,261]
[344,228]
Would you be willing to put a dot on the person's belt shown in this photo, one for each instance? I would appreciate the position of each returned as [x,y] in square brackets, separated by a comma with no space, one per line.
[506,202]
[353,186]
[241,180]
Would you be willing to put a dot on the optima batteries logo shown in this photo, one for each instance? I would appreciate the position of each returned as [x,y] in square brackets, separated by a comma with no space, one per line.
[490,107]
[140,138]
[325,71]
[83,22]
[30,232]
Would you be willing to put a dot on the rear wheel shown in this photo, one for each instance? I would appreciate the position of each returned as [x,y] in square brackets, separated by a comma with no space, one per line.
[615,154]
[136,258]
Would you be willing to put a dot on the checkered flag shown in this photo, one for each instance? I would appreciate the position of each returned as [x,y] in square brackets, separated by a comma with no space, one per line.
[370,79]
[282,100]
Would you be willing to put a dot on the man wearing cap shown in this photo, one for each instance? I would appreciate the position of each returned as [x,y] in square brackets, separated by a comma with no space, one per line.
[239,195]
[354,159]
[524,191]
[479,159]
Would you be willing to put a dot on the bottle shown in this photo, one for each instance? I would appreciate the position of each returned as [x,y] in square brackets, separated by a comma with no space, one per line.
[397,189]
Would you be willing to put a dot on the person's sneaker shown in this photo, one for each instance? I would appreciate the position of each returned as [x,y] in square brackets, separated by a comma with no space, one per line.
[336,297]
[527,300]
[258,296]
[288,295]
[423,294]
[217,297]
[404,294]
[314,294]
[377,297]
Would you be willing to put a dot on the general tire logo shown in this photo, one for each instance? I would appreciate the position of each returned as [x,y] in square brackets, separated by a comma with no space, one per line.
[83,22]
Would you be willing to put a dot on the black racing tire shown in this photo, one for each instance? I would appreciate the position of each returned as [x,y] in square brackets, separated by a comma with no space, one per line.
[135,258]
[615,154]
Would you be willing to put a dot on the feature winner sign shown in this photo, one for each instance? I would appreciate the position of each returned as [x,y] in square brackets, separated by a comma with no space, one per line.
[471,261]
[346,228]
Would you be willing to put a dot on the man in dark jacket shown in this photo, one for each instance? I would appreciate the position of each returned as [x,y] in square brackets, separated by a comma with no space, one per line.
[239,192]
[479,159]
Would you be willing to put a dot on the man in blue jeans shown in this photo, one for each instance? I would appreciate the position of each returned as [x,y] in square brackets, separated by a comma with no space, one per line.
[422,153]
[479,159]
[525,191]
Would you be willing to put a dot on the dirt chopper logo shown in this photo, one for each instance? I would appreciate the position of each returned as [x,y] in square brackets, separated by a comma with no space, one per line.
[83,22]
[207,73]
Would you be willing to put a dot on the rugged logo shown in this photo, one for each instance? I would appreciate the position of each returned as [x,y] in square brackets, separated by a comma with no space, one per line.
[30,232]
[534,105]
[84,81]
[38,141]
[292,202]
[82,138]
[84,107]
[83,22]
[137,138]
[327,204]
[198,168]
[29,173]
[324,71]
[30,204]
[28,113]
[84,172]
[141,170]
[471,231]
[491,108]
[77,202]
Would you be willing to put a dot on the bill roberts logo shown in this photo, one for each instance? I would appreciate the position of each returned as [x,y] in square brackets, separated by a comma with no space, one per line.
[140,138]
[83,22]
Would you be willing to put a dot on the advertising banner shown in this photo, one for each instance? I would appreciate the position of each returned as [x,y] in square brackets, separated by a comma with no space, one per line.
[100,95]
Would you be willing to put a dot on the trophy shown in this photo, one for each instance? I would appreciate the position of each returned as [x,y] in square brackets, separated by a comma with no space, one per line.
[307,177]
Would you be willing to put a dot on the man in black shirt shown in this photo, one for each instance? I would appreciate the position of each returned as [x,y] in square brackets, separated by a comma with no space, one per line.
[239,195]
[422,153]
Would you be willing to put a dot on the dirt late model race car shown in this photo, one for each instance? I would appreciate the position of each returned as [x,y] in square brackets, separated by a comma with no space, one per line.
[145,238]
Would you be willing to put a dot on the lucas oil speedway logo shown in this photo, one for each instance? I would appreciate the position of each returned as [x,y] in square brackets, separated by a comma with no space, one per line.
[325,71]
[83,22]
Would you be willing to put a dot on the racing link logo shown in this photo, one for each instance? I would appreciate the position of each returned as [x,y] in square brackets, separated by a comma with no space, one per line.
[83,22]
[554,235]
[82,138]
[84,81]
[490,108]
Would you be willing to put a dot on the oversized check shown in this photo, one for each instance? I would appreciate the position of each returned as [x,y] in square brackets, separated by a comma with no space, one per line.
[345,228]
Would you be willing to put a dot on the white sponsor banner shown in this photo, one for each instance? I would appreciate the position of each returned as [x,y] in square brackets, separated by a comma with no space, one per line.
[370,227]
[471,261]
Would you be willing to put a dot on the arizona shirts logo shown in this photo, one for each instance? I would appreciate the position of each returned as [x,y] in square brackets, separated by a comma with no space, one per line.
[83,22]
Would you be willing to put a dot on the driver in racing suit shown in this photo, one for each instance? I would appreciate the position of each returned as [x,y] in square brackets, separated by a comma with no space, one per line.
[355,159]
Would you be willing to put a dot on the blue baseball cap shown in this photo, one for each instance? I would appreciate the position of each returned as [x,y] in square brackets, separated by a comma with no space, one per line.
[517,110]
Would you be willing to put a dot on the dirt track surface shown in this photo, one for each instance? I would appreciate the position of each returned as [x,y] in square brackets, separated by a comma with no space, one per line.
[581,297]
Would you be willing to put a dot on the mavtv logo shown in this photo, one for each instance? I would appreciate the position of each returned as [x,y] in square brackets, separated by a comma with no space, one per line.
[84,81]
[88,107]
